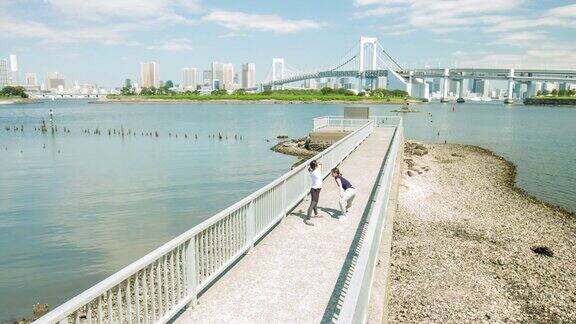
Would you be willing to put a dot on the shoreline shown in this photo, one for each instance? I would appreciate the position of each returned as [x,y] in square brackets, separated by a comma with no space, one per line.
[550,101]
[17,101]
[470,245]
[235,101]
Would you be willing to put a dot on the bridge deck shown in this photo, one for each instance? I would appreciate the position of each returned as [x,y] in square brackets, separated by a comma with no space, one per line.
[291,274]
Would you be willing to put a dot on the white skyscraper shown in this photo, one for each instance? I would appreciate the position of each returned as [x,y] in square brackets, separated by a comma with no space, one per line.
[248,75]
[222,75]
[4,73]
[189,78]
[31,79]
[149,75]
[14,69]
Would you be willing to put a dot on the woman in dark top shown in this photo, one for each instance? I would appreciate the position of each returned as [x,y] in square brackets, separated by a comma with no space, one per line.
[347,193]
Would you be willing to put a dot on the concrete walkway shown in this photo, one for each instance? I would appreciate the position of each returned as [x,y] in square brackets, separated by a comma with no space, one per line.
[292,273]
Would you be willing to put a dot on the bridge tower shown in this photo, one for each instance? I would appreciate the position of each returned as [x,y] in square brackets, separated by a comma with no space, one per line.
[461,90]
[277,70]
[445,85]
[510,100]
[372,43]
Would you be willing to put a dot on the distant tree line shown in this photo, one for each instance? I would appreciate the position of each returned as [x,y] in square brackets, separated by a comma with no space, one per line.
[14,91]
[387,93]
[557,93]
[166,89]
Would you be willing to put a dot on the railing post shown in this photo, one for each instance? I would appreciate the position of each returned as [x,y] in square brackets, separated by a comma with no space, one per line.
[191,277]
[284,202]
[251,225]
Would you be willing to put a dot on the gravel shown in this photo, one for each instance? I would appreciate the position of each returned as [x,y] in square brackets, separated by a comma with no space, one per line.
[468,246]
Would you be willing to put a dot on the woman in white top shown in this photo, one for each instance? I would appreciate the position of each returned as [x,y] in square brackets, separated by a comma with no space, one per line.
[315,170]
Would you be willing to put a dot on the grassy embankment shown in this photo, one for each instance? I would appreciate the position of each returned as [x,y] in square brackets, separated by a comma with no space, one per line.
[258,97]
[551,100]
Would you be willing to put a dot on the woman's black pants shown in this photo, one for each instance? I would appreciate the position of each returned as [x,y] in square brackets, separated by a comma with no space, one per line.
[315,194]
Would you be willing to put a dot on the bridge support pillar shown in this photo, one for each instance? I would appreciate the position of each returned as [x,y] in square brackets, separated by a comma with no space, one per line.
[461,91]
[409,83]
[445,85]
[509,100]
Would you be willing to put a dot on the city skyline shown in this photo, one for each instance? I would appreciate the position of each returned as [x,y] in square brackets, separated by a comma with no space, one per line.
[79,38]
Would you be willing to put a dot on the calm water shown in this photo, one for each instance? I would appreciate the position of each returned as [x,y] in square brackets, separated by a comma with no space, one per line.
[75,207]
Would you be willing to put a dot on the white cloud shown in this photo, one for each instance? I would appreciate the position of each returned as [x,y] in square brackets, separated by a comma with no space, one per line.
[523,38]
[232,35]
[564,17]
[174,45]
[378,11]
[103,21]
[15,29]
[527,35]
[440,16]
[174,10]
[240,21]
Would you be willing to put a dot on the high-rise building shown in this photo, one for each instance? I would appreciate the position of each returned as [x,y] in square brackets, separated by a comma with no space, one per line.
[224,74]
[207,78]
[149,75]
[55,81]
[248,75]
[481,87]
[189,78]
[31,79]
[217,74]
[14,69]
[4,73]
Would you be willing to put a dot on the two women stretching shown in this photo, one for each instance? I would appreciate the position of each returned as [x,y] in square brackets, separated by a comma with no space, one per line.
[347,193]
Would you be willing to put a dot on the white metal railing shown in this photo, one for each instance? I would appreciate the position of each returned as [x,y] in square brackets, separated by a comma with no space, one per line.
[157,286]
[341,123]
[357,298]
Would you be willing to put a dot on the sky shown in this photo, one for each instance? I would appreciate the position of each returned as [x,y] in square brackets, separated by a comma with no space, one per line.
[104,41]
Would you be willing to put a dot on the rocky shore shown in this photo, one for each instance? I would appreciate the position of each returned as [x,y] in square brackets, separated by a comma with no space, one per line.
[469,246]
[299,147]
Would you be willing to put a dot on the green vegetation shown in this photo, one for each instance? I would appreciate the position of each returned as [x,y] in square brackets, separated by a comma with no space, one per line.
[324,94]
[556,93]
[10,91]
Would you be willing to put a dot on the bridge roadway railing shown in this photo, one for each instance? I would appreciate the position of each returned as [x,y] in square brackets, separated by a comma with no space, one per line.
[356,301]
[159,285]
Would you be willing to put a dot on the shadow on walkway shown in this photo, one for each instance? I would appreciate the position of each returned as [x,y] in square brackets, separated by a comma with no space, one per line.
[338,294]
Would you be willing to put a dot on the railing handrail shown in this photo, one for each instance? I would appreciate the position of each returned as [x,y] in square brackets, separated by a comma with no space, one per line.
[96,291]
[341,119]
[356,301]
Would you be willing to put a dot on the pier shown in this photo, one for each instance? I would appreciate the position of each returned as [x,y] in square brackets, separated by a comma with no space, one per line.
[256,261]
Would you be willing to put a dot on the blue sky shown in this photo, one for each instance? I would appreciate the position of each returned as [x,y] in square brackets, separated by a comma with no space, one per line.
[103,41]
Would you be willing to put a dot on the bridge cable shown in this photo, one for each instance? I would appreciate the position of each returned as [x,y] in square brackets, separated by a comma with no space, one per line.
[390,57]
[339,66]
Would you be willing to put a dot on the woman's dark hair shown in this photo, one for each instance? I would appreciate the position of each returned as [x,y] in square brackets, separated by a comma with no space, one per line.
[313,165]
[337,171]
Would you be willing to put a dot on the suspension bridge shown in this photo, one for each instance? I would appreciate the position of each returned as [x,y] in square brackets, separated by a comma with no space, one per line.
[370,65]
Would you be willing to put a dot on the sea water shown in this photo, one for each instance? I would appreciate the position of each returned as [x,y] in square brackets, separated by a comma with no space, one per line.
[76,206]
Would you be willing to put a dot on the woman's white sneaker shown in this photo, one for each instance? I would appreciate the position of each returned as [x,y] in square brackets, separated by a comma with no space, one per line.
[343,218]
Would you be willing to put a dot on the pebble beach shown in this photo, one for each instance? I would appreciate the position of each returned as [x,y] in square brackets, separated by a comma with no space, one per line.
[469,246]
